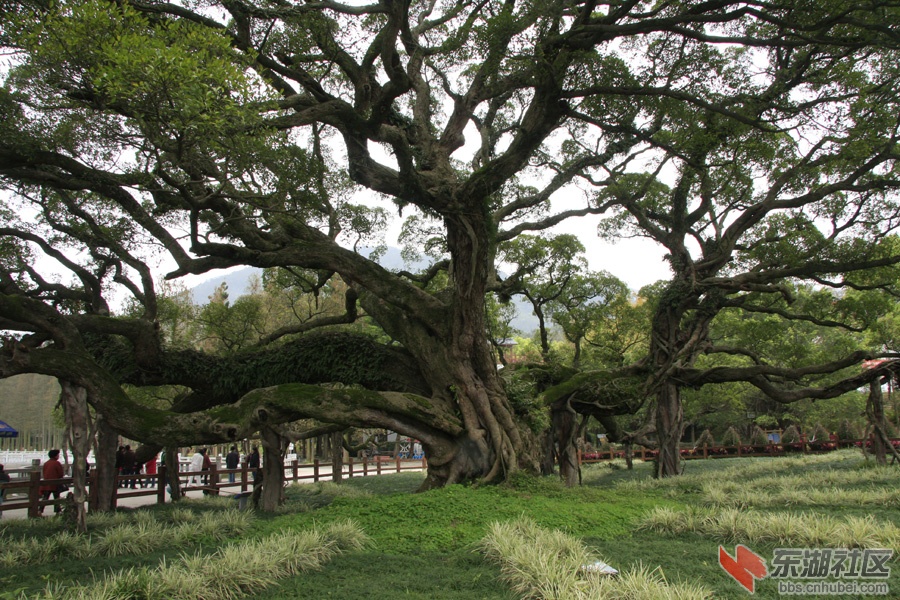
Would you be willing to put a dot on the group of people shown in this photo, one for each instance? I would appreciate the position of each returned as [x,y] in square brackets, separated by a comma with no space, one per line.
[127,465]
[200,461]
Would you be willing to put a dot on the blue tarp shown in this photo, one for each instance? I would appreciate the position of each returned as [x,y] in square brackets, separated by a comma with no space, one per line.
[6,431]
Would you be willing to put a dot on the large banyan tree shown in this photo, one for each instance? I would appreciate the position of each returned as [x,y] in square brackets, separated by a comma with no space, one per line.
[194,136]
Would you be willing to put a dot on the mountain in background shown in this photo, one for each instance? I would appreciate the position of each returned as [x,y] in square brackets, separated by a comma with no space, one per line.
[238,283]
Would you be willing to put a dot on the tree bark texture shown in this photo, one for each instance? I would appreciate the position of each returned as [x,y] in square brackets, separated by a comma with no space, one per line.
[173,475]
[565,429]
[877,421]
[80,434]
[337,456]
[676,340]
[669,427]
[105,457]
[272,495]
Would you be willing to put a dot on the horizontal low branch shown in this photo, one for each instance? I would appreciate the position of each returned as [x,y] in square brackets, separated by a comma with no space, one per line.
[763,377]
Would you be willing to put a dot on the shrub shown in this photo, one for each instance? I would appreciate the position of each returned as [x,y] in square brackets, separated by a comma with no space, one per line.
[820,434]
[731,437]
[848,431]
[705,438]
[790,435]
[758,437]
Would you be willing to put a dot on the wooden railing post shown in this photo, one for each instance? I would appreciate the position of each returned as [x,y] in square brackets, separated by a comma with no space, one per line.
[316,470]
[92,489]
[295,473]
[705,450]
[398,462]
[350,467]
[365,466]
[378,465]
[34,495]
[739,450]
[245,476]
[161,483]
[643,453]
[213,477]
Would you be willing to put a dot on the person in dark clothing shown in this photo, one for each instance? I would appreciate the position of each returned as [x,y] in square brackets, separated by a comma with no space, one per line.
[120,460]
[129,465]
[231,462]
[205,466]
[253,463]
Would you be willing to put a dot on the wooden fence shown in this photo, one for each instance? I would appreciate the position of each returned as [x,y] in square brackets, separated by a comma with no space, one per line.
[24,489]
[743,450]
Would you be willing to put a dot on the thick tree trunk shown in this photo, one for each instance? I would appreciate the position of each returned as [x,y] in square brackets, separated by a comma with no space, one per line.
[548,452]
[675,343]
[877,421]
[173,473]
[337,456]
[105,457]
[272,495]
[629,455]
[565,428]
[669,427]
[79,433]
[451,346]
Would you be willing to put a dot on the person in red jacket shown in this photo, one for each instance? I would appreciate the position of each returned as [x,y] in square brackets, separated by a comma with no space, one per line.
[52,469]
[150,469]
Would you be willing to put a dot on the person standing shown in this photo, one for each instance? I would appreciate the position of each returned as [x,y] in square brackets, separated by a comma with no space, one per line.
[129,466]
[253,463]
[150,469]
[52,469]
[120,461]
[4,478]
[196,466]
[231,462]
[205,466]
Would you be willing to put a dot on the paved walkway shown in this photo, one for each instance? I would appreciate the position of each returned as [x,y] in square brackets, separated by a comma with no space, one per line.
[123,501]
[306,473]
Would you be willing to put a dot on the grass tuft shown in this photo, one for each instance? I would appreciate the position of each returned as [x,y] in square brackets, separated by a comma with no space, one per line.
[798,529]
[234,571]
[541,564]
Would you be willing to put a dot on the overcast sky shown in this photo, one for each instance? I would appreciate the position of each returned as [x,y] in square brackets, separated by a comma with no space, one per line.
[636,261]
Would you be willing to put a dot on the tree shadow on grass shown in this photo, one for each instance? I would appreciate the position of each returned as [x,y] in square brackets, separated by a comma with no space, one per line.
[374,576]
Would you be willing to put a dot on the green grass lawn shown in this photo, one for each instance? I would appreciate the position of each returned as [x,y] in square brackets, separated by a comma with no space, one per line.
[424,545]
